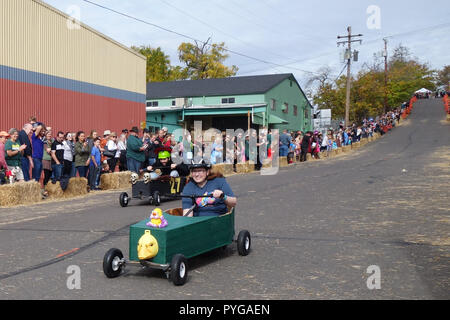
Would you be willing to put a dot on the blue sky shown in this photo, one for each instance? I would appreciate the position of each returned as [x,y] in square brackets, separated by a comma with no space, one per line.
[298,35]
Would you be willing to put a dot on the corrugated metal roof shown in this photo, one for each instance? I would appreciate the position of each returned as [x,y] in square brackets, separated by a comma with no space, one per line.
[215,87]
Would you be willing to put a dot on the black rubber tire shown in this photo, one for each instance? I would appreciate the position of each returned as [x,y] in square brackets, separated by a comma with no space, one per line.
[244,243]
[124,199]
[109,259]
[178,270]
[156,198]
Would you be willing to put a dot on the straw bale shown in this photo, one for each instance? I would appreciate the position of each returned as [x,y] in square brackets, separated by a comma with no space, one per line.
[244,167]
[346,148]
[124,179]
[76,187]
[20,193]
[283,161]
[218,168]
[109,181]
[54,190]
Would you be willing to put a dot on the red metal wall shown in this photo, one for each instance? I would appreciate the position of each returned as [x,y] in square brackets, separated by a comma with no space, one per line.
[65,110]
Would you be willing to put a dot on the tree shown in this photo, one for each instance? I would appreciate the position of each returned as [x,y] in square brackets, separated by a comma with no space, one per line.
[205,60]
[406,75]
[158,65]
[443,76]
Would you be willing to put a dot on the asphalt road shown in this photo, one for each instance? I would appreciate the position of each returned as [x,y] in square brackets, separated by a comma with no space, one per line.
[316,228]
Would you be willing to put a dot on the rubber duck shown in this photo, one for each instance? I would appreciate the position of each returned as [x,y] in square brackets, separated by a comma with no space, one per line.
[157,219]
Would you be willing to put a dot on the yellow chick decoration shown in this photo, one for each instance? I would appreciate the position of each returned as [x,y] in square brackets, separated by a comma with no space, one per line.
[147,246]
[157,219]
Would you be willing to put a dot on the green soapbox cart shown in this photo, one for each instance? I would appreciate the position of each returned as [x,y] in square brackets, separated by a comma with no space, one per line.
[183,238]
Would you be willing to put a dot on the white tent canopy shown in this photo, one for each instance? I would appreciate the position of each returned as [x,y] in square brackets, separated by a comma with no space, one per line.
[423,90]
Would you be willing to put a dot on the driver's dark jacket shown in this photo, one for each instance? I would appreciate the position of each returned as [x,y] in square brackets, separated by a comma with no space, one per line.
[183,169]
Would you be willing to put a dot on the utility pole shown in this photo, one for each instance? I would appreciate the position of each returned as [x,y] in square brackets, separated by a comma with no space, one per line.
[349,59]
[385,76]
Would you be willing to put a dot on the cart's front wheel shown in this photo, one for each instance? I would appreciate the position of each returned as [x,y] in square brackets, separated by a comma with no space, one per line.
[244,243]
[178,270]
[112,263]
[123,199]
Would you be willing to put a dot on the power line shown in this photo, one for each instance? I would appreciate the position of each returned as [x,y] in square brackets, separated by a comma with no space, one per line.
[217,29]
[192,38]
[345,65]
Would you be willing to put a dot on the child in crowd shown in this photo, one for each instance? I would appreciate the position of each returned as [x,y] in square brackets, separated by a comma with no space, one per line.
[94,166]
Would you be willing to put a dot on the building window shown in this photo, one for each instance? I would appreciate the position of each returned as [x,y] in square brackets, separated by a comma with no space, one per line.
[306,113]
[290,83]
[273,104]
[285,108]
[152,103]
[295,110]
[227,100]
[173,103]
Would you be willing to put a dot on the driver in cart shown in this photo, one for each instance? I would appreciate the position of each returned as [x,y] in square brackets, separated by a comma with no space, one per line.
[218,195]
[165,167]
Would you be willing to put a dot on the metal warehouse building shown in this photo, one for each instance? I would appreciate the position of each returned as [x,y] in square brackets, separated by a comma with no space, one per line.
[70,77]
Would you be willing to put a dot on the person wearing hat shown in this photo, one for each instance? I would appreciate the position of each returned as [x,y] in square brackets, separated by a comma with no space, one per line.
[103,142]
[112,152]
[3,137]
[166,166]
[218,196]
[135,151]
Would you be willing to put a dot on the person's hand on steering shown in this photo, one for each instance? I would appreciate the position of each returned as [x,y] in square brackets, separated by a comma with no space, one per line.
[217,194]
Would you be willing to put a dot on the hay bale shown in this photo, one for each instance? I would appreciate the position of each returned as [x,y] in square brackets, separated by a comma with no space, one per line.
[364,141]
[109,181]
[228,168]
[76,187]
[448,116]
[124,179]
[283,161]
[267,163]
[20,193]
[245,167]
[356,145]
[218,168]
[346,148]
[54,190]
[338,151]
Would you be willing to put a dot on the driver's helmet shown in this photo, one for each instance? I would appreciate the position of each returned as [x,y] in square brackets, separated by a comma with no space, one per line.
[199,164]
[163,154]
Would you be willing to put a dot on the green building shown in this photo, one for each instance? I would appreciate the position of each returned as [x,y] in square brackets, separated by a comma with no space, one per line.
[275,101]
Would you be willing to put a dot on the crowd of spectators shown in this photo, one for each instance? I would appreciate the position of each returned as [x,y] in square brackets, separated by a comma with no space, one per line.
[36,152]
[296,145]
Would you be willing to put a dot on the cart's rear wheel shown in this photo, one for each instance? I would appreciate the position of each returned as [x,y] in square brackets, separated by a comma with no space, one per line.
[112,263]
[156,198]
[123,199]
[178,270]
[244,243]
